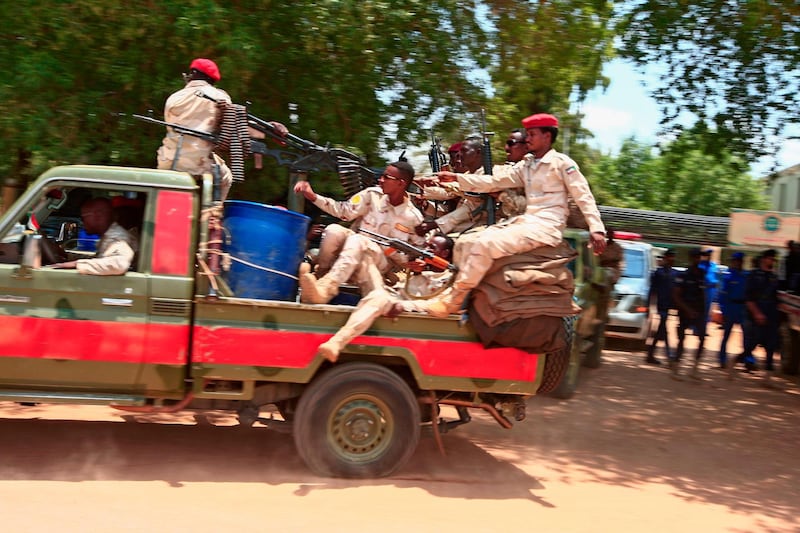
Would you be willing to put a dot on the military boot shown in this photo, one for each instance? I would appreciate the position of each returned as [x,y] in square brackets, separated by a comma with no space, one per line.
[448,304]
[316,291]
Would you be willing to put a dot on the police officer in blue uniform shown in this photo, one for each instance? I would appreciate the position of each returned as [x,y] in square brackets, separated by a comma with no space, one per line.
[763,318]
[662,281]
[731,303]
[689,297]
[712,278]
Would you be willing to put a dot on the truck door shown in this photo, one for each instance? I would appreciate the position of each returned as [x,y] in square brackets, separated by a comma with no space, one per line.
[64,330]
[168,257]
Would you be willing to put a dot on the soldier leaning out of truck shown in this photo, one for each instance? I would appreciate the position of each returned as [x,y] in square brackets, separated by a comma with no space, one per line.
[346,254]
[116,247]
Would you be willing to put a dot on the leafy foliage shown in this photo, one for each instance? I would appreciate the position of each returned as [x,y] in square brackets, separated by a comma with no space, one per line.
[734,64]
[684,178]
[372,76]
[71,67]
[364,75]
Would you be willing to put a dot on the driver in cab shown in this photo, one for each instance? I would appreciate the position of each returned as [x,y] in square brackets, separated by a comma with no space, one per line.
[116,247]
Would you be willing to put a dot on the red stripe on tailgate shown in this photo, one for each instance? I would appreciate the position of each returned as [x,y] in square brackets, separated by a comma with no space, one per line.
[286,349]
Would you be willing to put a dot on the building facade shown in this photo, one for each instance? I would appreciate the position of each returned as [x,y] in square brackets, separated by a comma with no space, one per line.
[783,189]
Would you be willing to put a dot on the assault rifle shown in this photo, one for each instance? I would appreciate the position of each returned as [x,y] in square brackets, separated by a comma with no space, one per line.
[489,201]
[437,159]
[183,130]
[412,251]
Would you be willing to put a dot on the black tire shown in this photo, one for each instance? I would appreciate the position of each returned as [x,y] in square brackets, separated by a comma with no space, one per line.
[358,420]
[556,364]
[569,382]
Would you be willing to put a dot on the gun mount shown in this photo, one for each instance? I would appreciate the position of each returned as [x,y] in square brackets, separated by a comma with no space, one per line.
[298,154]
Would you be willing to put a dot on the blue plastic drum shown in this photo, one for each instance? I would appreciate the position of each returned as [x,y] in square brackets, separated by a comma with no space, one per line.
[266,245]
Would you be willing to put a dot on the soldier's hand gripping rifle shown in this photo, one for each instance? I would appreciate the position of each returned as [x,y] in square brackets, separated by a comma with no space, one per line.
[409,249]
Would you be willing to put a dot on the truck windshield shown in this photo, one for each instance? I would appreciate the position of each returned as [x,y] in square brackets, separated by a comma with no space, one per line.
[634,264]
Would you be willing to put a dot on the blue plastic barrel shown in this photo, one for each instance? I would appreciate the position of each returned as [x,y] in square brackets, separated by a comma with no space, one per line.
[266,245]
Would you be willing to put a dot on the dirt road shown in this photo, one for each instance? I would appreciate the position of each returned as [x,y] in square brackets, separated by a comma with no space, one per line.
[632,451]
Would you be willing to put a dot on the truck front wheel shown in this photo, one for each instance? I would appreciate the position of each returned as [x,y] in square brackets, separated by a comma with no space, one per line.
[358,420]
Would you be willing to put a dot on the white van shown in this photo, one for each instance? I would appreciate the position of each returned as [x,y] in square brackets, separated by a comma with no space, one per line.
[629,310]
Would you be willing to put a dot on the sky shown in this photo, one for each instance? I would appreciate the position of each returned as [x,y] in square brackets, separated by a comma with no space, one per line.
[625,109]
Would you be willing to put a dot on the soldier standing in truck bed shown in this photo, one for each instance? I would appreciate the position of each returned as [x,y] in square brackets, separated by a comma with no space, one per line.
[197,107]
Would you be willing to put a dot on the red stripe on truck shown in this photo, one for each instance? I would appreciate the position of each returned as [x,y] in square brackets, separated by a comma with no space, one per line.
[90,340]
[288,349]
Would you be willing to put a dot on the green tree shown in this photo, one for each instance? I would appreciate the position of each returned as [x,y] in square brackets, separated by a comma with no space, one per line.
[685,177]
[733,64]
[630,179]
[349,66]
[365,75]
[547,55]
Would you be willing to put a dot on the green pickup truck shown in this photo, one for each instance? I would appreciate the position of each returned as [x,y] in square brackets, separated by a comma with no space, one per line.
[160,338]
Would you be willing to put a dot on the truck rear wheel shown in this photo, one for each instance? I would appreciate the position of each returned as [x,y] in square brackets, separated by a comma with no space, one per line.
[557,365]
[358,420]
[566,388]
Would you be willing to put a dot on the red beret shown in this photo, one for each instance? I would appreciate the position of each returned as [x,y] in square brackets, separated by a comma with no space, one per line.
[455,147]
[540,120]
[207,67]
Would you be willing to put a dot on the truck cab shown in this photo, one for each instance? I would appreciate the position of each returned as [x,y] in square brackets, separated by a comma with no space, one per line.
[118,336]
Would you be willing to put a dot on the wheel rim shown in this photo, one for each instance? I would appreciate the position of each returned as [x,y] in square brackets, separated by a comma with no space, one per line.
[360,428]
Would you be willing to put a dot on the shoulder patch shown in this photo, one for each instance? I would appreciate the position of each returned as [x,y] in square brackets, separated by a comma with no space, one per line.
[356,199]
[571,169]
